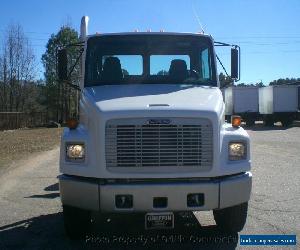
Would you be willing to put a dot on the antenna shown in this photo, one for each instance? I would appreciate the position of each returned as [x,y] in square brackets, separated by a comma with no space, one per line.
[197,17]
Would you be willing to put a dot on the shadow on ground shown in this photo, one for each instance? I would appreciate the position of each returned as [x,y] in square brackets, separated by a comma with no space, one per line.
[46,232]
[53,187]
[44,196]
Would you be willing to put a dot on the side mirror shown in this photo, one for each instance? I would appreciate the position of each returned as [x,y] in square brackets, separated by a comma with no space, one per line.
[235,63]
[62,67]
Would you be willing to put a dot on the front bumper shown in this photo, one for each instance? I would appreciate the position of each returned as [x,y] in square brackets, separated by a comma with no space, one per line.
[98,195]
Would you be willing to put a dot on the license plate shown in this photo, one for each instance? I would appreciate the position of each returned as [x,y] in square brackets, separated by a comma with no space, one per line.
[163,220]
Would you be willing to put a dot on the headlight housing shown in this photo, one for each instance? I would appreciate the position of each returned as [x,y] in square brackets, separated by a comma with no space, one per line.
[237,151]
[75,152]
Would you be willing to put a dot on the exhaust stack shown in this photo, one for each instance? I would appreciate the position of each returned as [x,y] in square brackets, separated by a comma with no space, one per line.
[84,27]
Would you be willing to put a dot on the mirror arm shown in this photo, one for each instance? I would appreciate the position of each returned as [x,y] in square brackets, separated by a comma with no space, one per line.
[73,67]
[222,65]
[72,85]
[236,47]
[76,62]
[223,44]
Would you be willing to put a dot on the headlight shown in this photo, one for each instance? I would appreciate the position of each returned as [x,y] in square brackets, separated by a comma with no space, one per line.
[75,152]
[237,151]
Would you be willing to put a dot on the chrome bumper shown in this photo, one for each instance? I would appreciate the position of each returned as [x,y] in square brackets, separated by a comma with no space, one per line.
[92,194]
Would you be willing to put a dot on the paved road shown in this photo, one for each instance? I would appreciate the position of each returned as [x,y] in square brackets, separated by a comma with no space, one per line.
[30,210]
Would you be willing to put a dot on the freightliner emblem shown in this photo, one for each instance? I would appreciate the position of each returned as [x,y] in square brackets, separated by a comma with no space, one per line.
[158,121]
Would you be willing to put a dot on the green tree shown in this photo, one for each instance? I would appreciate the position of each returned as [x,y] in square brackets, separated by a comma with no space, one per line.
[61,99]
[125,72]
[225,81]
[162,73]
[286,81]
[260,84]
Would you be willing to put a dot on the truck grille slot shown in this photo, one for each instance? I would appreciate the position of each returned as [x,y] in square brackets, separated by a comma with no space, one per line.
[159,145]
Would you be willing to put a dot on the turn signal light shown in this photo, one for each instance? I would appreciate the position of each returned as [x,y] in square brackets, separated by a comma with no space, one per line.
[236,121]
[72,123]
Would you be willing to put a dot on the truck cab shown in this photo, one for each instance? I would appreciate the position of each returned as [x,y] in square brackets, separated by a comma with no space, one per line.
[151,136]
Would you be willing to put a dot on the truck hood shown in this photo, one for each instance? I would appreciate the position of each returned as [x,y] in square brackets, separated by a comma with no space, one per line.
[110,98]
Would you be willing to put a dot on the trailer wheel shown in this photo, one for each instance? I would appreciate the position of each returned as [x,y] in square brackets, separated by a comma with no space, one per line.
[231,219]
[250,122]
[77,222]
[286,122]
[269,122]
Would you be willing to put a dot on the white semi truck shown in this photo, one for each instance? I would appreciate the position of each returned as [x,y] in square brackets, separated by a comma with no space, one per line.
[151,136]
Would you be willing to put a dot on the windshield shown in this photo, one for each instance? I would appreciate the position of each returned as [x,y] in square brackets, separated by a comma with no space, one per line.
[126,59]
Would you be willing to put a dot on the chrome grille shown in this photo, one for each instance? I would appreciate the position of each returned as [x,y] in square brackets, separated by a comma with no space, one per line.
[145,145]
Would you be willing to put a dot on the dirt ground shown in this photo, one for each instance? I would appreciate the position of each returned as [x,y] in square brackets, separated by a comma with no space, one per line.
[19,144]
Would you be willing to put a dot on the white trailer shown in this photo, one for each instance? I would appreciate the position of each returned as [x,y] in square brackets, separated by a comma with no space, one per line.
[242,101]
[279,103]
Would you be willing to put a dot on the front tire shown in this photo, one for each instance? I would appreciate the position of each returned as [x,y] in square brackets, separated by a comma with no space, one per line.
[231,219]
[77,222]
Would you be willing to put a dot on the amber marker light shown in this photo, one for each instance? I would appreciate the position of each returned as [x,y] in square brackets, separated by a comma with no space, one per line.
[236,121]
[72,123]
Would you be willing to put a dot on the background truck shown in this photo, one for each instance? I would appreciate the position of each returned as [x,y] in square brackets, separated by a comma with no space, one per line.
[279,103]
[242,101]
[151,136]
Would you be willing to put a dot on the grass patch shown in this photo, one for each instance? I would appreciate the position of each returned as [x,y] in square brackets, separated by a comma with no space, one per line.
[20,143]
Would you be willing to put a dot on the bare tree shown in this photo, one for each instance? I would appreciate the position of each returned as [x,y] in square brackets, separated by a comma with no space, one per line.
[17,69]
